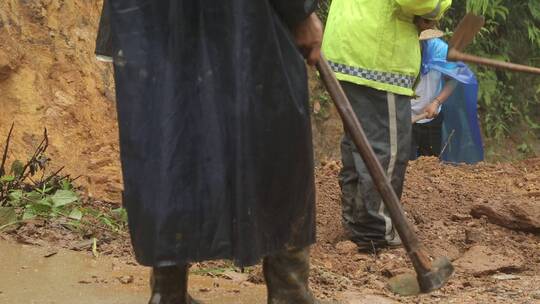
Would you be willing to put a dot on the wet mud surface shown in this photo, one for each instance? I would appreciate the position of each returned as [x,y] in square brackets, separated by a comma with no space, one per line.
[47,275]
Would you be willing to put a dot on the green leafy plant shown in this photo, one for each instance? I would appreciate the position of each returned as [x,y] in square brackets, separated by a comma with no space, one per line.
[114,220]
[23,196]
[525,148]
[28,192]
[321,104]
[46,204]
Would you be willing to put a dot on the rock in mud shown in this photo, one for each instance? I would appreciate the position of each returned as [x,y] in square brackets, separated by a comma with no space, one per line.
[472,236]
[8,65]
[4,66]
[505,277]
[392,271]
[460,217]
[482,260]
[358,298]
[127,279]
[444,248]
[236,276]
[522,215]
[50,253]
[346,247]
[82,245]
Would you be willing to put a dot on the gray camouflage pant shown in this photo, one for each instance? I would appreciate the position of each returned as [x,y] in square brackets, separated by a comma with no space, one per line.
[386,119]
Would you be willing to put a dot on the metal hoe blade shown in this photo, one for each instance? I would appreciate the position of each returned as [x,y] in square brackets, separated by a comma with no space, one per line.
[410,284]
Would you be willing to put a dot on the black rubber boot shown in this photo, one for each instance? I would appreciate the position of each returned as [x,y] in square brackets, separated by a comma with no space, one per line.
[169,285]
[286,276]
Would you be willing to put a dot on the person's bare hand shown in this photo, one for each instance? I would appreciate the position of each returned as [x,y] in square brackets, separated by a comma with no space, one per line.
[432,110]
[308,35]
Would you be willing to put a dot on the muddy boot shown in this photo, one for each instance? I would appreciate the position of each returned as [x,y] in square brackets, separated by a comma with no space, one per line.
[169,285]
[286,276]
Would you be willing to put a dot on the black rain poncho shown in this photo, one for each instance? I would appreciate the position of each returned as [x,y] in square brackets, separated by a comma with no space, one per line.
[214,125]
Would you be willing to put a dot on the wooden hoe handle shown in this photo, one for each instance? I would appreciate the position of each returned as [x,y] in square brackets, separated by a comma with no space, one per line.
[455,55]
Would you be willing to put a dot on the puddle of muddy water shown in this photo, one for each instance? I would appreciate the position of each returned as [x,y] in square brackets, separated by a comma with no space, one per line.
[27,276]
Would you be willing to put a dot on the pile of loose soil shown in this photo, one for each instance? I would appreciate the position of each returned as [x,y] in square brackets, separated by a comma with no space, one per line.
[493,263]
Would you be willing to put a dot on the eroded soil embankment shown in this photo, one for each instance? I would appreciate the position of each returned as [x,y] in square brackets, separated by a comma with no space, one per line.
[49,78]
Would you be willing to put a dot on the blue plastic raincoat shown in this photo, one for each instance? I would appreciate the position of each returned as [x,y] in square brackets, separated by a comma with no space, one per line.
[460,130]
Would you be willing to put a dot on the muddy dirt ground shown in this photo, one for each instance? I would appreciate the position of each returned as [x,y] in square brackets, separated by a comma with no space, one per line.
[494,264]
[438,200]
[48,275]
[49,77]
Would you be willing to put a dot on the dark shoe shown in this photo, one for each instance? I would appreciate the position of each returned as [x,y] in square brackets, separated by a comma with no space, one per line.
[375,246]
[370,246]
[169,285]
[286,276]
[393,239]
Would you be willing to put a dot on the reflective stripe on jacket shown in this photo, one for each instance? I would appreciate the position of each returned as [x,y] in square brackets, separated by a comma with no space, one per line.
[375,43]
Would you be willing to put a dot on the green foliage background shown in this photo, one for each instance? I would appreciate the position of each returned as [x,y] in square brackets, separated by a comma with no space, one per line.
[509,103]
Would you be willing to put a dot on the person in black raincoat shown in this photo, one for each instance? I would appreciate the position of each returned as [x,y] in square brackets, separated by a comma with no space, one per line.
[215,136]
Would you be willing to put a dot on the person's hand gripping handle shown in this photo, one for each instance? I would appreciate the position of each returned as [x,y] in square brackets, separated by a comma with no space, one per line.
[308,35]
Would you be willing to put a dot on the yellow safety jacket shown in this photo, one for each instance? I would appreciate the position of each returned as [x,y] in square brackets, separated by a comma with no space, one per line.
[375,42]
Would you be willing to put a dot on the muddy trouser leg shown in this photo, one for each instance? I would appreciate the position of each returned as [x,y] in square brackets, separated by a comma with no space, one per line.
[386,119]
[348,181]
[435,135]
[414,142]
[429,136]
[286,274]
[169,285]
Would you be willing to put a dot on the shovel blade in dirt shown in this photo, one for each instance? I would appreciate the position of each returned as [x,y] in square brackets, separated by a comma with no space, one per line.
[408,284]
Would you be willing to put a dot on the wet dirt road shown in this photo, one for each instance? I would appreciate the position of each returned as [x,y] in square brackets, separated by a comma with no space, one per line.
[28,276]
